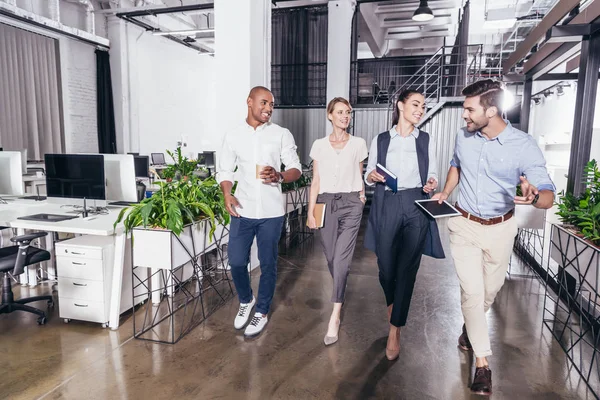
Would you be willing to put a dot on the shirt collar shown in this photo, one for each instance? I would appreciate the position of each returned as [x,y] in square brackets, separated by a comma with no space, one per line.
[503,136]
[394,132]
[259,128]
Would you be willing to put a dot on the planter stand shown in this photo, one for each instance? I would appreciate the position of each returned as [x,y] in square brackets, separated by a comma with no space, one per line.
[188,280]
[529,243]
[296,206]
[572,306]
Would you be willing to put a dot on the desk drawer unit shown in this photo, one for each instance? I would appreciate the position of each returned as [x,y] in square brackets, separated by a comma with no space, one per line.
[77,268]
[84,270]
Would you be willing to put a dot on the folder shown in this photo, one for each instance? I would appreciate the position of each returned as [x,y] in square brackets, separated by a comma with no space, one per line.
[319,214]
[391,180]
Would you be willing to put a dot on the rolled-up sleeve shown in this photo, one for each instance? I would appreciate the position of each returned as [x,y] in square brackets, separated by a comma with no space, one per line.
[372,163]
[433,170]
[534,167]
[289,155]
[227,161]
[455,161]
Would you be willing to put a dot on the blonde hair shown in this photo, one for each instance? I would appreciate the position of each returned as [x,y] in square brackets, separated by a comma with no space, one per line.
[335,101]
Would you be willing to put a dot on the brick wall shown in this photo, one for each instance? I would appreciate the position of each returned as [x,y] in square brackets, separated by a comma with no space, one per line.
[81,108]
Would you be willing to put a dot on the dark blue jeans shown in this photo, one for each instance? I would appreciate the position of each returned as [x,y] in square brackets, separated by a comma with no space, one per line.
[241,236]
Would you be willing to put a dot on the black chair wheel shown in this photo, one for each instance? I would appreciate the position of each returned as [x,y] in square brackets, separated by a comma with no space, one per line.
[41,321]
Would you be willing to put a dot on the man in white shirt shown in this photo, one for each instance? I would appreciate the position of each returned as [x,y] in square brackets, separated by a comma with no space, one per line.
[257,148]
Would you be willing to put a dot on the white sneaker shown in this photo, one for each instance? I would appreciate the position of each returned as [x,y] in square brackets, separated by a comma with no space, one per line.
[256,326]
[241,319]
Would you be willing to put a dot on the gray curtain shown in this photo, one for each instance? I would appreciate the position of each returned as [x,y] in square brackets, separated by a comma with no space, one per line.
[30,102]
[299,56]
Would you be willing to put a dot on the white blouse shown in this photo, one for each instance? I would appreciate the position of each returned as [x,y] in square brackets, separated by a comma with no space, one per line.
[338,172]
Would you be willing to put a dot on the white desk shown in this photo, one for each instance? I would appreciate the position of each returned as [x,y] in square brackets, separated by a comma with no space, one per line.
[100,225]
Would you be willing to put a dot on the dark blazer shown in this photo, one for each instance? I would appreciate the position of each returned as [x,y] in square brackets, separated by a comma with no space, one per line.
[433,244]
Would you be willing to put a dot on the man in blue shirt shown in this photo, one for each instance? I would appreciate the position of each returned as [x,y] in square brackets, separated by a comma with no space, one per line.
[490,159]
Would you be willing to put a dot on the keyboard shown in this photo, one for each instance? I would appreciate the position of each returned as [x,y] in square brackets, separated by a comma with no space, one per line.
[122,203]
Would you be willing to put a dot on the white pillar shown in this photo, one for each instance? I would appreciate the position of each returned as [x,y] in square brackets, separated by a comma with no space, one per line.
[339,42]
[242,55]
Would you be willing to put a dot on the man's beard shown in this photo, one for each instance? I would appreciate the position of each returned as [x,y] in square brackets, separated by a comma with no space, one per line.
[474,127]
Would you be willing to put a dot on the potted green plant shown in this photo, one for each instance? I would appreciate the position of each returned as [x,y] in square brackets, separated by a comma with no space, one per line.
[575,243]
[581,214]
[182,216]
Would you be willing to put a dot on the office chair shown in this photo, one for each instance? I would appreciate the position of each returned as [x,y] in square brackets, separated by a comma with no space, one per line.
[13,261]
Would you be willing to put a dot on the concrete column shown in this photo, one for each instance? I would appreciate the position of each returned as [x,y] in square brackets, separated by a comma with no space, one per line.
[123,84]
[242,55]
[339,42]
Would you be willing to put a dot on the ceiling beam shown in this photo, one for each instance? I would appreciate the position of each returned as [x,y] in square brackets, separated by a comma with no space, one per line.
[591,13]
[434,22]
[570,33]
[417,35]
[371,30]
[451,28]
[413,5]
[557,13]
[573,63]
[548,63]
[422,43]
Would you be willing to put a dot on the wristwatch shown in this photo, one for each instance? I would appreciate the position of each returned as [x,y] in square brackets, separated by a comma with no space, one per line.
[535,199]
[281,178]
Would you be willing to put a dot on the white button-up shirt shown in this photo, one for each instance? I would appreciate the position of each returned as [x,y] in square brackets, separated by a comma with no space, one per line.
[244,147]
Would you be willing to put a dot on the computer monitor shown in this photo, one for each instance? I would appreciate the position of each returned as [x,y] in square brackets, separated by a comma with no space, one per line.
[119,172]
[11,174]
[75,176]
[209,158]
[158,159]
[23,161]
[142,166]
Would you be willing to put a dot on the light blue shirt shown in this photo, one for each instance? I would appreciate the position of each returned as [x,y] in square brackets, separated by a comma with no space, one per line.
[402,160]
[490,170]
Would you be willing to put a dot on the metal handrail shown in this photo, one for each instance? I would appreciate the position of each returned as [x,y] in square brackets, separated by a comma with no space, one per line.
[436,66]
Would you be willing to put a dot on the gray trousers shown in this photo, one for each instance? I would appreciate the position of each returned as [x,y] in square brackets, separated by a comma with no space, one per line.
[343,214]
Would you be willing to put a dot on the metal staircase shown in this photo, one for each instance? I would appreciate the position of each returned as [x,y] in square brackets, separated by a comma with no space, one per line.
[443,76]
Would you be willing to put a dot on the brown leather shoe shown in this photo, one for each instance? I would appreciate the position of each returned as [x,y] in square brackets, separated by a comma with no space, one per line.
[463,341]
[482,382]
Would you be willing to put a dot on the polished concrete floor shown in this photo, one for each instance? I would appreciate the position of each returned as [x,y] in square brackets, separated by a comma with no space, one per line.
[289,360]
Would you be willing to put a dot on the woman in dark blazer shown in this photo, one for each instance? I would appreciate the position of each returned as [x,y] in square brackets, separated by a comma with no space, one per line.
[397,231]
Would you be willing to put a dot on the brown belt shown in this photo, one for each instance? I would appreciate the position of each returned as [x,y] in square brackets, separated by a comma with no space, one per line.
[491,221]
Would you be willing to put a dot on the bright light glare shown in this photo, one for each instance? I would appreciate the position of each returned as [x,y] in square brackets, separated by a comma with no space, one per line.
[509,100]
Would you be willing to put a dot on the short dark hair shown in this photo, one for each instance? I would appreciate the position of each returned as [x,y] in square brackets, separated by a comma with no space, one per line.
[491,93]
[402,97]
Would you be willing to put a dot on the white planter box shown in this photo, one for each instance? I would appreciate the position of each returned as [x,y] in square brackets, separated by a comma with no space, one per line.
[161,249]
[529,217]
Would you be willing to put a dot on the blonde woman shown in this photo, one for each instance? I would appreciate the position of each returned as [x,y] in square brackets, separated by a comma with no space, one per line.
[337,182]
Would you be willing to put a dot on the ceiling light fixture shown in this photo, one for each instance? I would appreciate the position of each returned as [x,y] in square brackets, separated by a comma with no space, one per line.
[423,13]
[182,33]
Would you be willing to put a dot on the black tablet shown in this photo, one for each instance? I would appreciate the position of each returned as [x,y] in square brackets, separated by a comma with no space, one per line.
[437,210]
